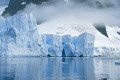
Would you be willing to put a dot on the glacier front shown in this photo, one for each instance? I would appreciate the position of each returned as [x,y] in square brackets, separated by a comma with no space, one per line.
[19,37]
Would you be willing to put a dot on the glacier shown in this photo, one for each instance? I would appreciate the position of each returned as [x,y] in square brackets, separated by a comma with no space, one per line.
[19,37]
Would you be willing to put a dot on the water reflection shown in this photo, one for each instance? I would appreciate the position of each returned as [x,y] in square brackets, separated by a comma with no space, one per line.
[56,68]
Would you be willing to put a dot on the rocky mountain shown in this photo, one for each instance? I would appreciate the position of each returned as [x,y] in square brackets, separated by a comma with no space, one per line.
[16,5]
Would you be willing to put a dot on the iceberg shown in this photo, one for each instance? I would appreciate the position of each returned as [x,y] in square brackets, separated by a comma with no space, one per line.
[18,34]
[19,37]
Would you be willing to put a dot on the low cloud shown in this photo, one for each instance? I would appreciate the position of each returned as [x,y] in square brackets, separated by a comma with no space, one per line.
[69,11]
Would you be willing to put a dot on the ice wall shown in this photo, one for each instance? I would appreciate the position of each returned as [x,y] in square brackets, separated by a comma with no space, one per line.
[19,37]
[54,43]
[68,46]
[85,40]
[78,46]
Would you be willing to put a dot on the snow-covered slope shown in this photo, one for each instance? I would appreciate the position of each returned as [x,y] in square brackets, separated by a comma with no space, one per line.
[2,8]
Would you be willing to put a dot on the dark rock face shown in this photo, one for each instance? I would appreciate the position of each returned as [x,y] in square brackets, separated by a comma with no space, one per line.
[15,5]
[118,33]
[101,28]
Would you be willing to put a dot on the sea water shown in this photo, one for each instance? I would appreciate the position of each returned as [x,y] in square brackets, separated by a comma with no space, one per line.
[59,68]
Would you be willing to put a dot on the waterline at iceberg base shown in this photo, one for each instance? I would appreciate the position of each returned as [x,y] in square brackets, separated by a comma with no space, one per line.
[19,36]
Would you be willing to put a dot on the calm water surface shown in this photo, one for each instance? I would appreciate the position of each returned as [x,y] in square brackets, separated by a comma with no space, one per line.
[57,68]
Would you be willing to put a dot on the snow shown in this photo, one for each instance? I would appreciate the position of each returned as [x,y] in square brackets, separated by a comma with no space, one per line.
[3,5]
[2,8]
[23,3]
[4,2]
[43,2]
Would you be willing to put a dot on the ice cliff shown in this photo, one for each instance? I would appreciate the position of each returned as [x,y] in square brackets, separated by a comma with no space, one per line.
[19,36]
[16,33]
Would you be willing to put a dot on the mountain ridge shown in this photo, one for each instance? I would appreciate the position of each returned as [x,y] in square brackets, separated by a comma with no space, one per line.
[16,5]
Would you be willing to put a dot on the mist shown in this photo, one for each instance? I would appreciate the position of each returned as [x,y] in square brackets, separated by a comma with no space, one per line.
[86,12]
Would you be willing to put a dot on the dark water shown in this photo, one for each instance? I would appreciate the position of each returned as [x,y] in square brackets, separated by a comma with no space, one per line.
[57,68]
